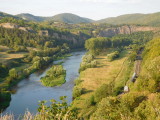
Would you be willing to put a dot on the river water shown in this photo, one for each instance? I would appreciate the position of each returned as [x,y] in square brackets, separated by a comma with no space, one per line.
[29,91]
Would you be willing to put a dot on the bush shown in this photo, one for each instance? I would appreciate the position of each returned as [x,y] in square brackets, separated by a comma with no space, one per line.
[77,92]
[90,101]
[5,98]
[87,62]
[54,76]
[113,55]
[77,81]
[56,111]
[102,92]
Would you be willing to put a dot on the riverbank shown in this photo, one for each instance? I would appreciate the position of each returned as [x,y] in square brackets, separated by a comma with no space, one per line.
[106,72]
[30,90]
[23,70]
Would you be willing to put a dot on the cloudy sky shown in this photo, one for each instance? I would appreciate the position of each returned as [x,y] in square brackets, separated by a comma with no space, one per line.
[94,9]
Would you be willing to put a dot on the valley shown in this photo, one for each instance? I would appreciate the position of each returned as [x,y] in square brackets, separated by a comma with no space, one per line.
[69,67]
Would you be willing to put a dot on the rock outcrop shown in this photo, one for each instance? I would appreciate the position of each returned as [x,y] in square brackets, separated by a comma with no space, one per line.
[13,26]
[112,31]
[9,25]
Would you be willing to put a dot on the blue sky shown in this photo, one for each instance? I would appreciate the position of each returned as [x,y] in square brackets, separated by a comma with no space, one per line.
[94,9]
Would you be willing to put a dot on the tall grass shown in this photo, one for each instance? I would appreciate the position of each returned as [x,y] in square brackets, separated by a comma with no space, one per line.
[10,116]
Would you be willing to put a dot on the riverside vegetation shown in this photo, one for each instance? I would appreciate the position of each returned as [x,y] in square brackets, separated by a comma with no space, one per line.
[54,76]
[104,71]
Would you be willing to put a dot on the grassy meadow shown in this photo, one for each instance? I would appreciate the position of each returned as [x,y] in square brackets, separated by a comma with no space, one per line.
[105,73]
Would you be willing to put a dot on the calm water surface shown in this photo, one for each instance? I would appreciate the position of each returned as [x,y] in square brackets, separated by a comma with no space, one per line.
[29,91]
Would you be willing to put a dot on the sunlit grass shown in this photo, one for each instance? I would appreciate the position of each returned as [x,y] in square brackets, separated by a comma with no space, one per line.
[92,78]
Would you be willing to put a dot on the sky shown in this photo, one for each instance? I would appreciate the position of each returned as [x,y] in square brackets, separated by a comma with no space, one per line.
[94,9]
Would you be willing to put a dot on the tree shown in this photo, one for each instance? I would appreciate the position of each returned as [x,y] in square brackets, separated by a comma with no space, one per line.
[102,92]
[13,73]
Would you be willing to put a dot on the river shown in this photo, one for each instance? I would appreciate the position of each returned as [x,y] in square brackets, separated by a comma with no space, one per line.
[29,91]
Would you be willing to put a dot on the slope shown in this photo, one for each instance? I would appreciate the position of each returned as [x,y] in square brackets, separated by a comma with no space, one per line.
[144,19]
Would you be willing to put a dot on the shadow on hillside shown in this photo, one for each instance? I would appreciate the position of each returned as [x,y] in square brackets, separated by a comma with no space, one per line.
[86,91]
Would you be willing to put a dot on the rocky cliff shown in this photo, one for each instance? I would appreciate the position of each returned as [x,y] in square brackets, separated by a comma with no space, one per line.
[13,26]
[127,29]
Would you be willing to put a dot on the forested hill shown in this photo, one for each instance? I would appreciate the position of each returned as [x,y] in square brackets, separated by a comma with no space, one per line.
[30,17]
[144,19]
[70,18]
[64,17]
[2,15]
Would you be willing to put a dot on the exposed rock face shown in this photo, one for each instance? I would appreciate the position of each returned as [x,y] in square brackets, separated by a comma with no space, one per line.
[109,32]
[12,26]
[9,25]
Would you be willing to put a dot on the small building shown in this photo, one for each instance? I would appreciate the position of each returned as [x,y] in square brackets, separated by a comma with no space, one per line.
[126,89]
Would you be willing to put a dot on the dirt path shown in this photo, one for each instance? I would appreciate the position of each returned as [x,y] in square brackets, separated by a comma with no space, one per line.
[137,65]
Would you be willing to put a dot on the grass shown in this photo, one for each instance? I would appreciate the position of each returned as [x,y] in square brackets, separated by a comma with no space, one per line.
[92,78]
[22,66]
[4,56]
[10,116]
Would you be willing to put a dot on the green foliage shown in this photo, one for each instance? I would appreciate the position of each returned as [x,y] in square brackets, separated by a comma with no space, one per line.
[54,76]
[56,111]
[77,92]
[90,101]
[3,70]
[149,110]
[107,110]
[95,45]
[150,68]
[142,19]
[87,62]
[5,98]
[122,108]
[70,18]
[103,91]
[113,56]
[13,73]
[77,81]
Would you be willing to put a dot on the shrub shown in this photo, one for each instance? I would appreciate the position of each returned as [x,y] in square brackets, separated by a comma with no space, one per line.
[54,76]
[102,92]
[77,81]
[87,62]
[90,101]
[77,92]
[113,55]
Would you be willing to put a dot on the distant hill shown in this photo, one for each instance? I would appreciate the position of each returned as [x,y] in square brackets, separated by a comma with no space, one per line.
[70,18]
[144,19]
[64,17]
[2,15]
[30,17]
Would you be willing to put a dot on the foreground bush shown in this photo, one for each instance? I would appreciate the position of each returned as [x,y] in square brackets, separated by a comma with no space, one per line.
[103,91]
[54,111]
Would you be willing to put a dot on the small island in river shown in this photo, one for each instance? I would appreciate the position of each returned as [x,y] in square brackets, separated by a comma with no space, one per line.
[55,76]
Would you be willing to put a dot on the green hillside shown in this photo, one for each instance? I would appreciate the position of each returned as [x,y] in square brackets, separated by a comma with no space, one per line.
[64,17]
[2,15]
[70,18]
[144,19]
[31,17]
